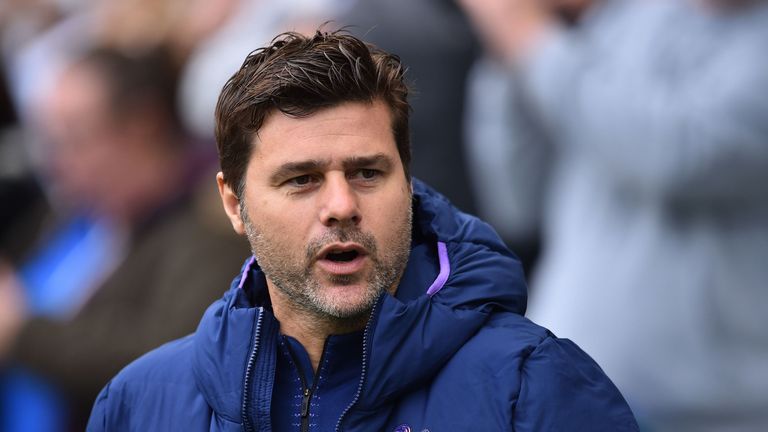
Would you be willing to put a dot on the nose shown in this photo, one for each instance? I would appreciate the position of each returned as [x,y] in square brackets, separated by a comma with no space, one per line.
[339,202]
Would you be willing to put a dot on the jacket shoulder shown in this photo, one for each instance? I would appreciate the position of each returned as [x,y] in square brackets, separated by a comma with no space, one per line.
[563,388]
[501,348]
[167,364]
[155,392]
[542,382]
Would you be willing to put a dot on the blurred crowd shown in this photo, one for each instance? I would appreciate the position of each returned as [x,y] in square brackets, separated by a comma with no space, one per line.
[620,148]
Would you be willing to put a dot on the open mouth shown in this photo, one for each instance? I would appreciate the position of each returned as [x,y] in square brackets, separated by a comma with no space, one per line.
[343,256]
[342,253]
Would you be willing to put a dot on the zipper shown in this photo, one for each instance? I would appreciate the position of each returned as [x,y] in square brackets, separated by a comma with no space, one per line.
[363,369]
[305,409]
[249,374]
[306,391]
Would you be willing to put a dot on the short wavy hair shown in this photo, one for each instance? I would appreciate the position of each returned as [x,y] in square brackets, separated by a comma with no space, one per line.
[299,75]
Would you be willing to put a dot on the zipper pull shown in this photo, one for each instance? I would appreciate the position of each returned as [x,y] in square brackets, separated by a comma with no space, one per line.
[305,403]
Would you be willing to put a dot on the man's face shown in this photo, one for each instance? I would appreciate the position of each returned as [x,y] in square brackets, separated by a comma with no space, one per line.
[327,209]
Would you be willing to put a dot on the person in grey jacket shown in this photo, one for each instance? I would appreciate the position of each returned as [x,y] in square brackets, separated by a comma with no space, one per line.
[656,210]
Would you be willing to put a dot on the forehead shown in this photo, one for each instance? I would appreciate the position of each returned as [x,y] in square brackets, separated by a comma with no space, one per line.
[343,130]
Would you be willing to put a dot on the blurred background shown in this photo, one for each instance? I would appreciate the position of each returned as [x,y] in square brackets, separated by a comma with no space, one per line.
[619,147]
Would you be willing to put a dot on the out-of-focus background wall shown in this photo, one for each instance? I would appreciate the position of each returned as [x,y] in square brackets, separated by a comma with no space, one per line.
[625,139]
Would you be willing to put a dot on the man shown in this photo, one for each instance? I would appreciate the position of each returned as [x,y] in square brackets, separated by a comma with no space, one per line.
[655,217]
[370,302]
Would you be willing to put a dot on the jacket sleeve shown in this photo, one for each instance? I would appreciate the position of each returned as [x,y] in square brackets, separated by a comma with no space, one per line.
[98,419]
[563,389]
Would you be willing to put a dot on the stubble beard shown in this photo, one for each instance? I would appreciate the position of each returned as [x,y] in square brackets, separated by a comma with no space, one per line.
[292,274]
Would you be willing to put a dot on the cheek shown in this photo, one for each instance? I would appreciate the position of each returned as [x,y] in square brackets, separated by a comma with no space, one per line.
[285,225]
[390,218]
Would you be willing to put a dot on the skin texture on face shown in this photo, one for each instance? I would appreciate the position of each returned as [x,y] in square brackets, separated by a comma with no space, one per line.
[327,210]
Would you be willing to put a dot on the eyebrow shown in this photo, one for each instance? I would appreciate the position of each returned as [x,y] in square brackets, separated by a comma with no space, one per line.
[379,160]
[290,169]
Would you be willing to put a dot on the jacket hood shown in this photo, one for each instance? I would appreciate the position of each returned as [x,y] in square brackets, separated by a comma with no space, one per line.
[459,272]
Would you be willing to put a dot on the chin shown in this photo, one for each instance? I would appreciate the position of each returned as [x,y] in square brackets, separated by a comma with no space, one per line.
[347,301]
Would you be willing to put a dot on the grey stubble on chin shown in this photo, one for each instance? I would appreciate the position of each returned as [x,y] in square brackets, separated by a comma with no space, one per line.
[294,280]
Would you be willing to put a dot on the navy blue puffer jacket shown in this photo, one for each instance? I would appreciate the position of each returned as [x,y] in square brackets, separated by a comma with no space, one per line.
[451,352]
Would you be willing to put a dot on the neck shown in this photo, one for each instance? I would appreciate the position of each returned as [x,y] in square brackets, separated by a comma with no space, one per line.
[308,328]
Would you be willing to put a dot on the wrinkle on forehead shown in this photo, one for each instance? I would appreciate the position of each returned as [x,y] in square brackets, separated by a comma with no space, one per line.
[347,120]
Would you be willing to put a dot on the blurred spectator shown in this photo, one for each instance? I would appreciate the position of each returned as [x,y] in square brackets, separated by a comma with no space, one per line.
[509,157]
[508,151]
[137,251]
[656,215]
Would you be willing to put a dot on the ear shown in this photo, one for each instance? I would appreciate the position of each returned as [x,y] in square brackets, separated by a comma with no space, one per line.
[231,204]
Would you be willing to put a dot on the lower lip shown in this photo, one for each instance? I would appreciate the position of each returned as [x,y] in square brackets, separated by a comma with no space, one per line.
[342,267]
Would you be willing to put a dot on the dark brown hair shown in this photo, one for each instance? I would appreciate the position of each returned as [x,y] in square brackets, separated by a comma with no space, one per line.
[299,75]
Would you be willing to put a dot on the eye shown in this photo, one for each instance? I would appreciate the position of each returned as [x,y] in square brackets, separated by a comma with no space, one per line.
[365,174]
[302,180]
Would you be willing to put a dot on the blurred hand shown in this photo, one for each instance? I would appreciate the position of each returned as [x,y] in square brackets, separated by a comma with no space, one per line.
[510,28]
[12,307]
